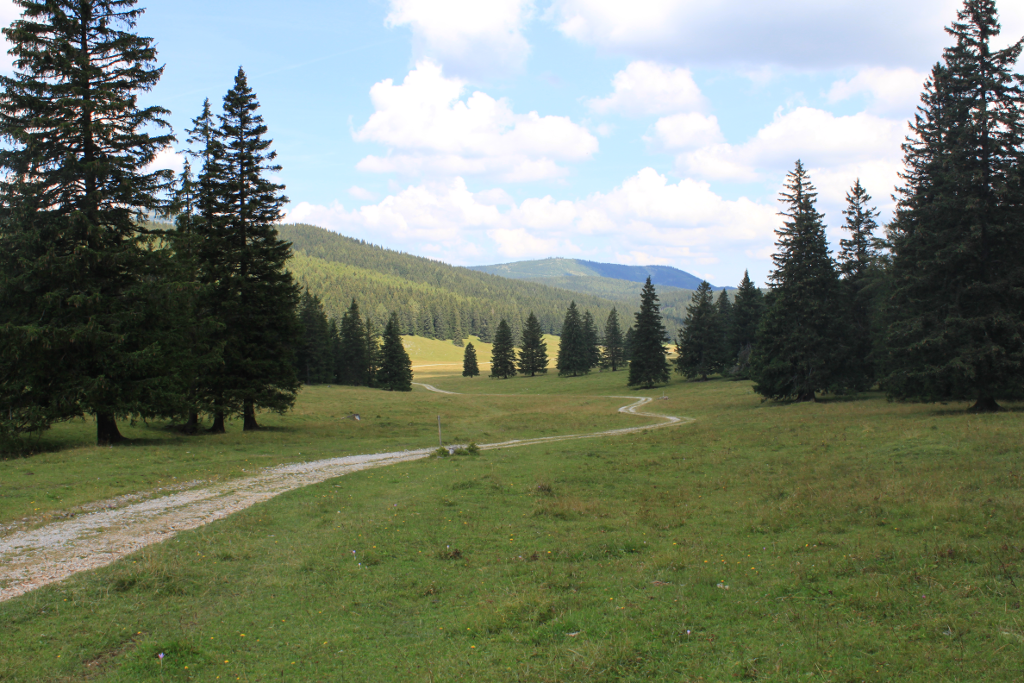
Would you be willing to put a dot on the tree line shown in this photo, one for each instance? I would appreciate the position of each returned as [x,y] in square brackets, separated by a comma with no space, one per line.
[932,310]
[103,312]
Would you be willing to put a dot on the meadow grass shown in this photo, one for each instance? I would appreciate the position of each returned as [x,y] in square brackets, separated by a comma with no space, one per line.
[848,540]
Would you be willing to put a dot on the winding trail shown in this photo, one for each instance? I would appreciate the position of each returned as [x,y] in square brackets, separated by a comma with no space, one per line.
[34,558]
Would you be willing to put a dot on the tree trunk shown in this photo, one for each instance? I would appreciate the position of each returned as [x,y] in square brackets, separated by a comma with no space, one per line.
[218,423]
[107,433]
[806,397]
[986,404]
[192,425]
[249,416]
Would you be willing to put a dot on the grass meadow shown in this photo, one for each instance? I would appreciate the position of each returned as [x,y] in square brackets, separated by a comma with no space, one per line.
[848,540]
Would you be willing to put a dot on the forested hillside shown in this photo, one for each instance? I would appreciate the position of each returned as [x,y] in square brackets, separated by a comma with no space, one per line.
[661,276]
[625,293]
[432,299]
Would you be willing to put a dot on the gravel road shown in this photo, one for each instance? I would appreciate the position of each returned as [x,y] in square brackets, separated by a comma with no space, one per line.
[35,558]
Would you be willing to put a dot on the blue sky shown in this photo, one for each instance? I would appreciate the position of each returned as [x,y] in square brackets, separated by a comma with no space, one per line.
[644,132]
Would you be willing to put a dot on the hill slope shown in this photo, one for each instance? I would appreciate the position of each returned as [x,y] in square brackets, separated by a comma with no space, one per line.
[433,299]
[661,276]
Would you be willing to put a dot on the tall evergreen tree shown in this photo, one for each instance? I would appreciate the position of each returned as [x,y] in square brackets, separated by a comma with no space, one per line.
[614,352]
[533,357]
[699,344]
[591,341]
[374,352]
[726,332]
[503,353]
[352,361]
[74,255]
[649,365]
[627,344]
[957,305]
[746,315]
[858,258]
[395,373]
[572,354]
[255,296]
[798,349]
[314,362]
[470,368]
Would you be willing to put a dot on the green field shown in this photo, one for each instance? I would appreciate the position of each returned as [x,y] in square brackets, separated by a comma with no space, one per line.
[848,540]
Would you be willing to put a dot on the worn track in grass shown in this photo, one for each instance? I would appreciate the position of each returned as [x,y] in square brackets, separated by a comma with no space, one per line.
[34,558]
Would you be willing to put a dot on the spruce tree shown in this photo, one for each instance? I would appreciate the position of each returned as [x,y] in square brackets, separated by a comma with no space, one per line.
[798,350]
[313,358]
[256,298]
[395,373]
[533,357]
[373,351]
[614,352]
[627,344]
[75,258]
[699,344]
[572,354]
[503,353]
[352,361]
[649,365]
[726,332]
[858,271]
[957,304]
[591,341]
[469,363]
[746,314]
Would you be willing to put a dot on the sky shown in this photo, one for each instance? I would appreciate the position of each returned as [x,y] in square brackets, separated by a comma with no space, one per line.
[650,132]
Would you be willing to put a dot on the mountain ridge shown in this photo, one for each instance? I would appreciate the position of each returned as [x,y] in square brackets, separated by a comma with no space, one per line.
[560,267]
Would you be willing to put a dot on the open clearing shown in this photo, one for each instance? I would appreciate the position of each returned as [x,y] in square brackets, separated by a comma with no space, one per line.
[849,540]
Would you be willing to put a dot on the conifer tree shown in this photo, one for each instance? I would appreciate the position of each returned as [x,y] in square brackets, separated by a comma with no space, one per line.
[469,363]
[395,372]
[591,341]
[74,184]
[313,358]
[503,353]
[352,361]
[649,365]
[699,344]
[614,352]
[572,355]
[533,357]
[627,344]
[957,305]
[373,351]
[798,348]
[726,332]
[746,313]
[255,296]
[858,270]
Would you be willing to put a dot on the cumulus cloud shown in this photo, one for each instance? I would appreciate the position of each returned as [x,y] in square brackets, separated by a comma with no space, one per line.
[890,91]
[685,222]
[431,130]
[800,33]
[687,131]
[8,13]
[168,159]
[471,38]
[651,88]
[361,193]
[840,145]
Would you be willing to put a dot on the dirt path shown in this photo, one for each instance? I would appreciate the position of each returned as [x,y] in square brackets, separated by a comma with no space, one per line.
[35,558]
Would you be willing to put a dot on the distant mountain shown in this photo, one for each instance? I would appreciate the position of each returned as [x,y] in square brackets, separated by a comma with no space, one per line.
[663,276]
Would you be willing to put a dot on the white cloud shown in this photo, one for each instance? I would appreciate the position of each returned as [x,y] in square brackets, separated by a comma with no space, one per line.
[167,159]
[651,88]
[8,13]
[892,91]
[821,139]
[431,130]
[802,33]
[470,37]
[687,131]
[684,222]
[361,193]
